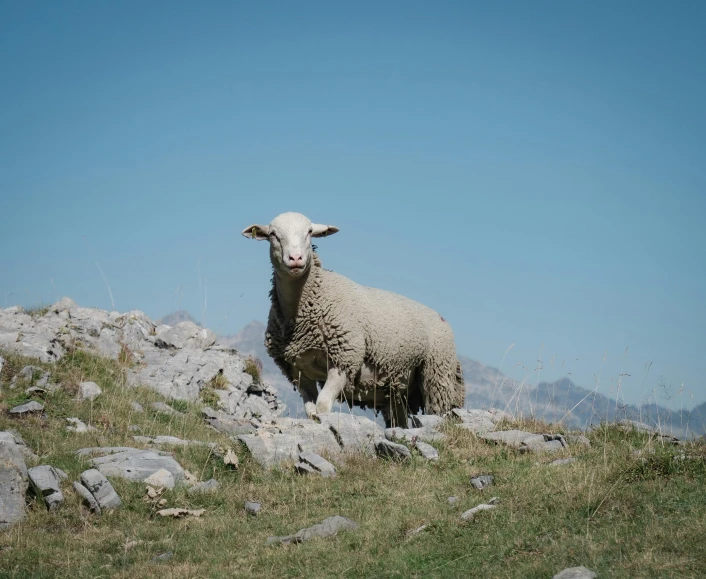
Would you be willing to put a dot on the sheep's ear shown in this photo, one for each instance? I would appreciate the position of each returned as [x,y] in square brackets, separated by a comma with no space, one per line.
[259,232]
[323,230]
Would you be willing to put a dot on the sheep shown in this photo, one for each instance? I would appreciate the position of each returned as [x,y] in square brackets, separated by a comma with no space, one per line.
[367,346]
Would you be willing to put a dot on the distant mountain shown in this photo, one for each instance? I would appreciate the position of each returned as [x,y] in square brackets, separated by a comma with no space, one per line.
[177,317]
[487,387]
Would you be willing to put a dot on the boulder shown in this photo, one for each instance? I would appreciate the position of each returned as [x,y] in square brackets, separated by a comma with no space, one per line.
[46,484]
[101,489]
[88,391]
[392,450]
[13,481]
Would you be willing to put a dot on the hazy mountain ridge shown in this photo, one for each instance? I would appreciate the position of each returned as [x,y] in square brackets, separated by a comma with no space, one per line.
[488,387]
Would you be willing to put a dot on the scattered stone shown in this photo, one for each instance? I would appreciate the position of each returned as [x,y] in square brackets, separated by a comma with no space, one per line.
[164,408]
[161,478]
[227,424]
[135,428]
[76,425]
[562,461]
[452,501]
[470,514]
[424,434]
[318,463]
[527,441]
[577,439]
[137,407]
[132,463]
[101,489]
[180,513]
[87,497]
[327,528]
[481,481]
[477,421]
[304,468]
[417,530]
[88,391]
[46,483]
[26,451]
[153,493]
[576,573]
[13,481]
[27,408]
[209,486]
[426,421]
[392,450]
[252,508]
[163,440]
[427,450]
[162,557]
[35,391]
[353,433]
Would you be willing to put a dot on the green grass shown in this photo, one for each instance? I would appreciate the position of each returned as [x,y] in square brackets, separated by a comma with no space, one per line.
[618,513]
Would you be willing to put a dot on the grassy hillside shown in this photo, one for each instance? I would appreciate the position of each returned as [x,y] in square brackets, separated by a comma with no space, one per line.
[628,507]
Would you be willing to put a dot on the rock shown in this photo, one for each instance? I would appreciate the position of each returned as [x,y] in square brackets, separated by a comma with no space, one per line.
[481,481]
[13,481]
[452,502]
[424,434]
[134,428]
[46,483]
[76,425]
[417,530]
[209,486]
[426,421]
[353,433]
[304,468]
[2,363]
[327,528]
[227,424]
[392,450]
[527,441]
[169,441]
[136,407]
[470,514]
[101,489]
[252,508]
[87,497]
[477,421]
[27,408]
[180,513]
[318,463]
[132,463]
[162,557]
[26,451]
[161,478]
[164,408]
[185,335]
[427,450]
[577,440]
[576,573]
[88,391]
[562,461]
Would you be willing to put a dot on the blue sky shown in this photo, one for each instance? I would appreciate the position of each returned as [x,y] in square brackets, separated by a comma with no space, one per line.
[534,171]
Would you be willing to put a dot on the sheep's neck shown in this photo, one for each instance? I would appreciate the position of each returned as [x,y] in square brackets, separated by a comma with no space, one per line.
[289,293]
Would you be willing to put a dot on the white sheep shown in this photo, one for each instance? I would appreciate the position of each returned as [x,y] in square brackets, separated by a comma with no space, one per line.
[368,346]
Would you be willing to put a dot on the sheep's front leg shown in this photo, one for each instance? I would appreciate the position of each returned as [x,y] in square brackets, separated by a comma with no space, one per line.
[309,392]
[335,383]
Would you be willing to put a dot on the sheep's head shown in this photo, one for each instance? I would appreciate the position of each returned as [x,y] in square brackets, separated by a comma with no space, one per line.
[290,236]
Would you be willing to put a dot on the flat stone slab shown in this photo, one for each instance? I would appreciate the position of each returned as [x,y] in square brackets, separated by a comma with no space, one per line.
[27,408]
[327,528]
[170,441]
[527,441]
[46,483]
[227,424]
[426,420]
[87,497]
[13,481]
[132,463]
[425,434]
[353,433]
[101,489]
[427,450]
[392,450]
[318,463]
[576,573]
[477,421]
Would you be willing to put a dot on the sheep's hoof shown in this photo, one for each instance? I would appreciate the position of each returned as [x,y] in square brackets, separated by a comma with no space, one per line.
[310,409]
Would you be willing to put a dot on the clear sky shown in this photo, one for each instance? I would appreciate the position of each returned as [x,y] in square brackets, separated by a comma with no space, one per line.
[535,171]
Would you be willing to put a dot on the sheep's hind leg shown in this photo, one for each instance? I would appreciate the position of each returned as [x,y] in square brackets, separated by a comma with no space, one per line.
[335,383]
[309,392]
[395,412]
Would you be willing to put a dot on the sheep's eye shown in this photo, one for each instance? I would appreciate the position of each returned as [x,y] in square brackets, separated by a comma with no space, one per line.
[311,231]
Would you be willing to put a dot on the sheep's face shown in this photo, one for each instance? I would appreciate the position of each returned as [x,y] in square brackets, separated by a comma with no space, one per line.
[290,236]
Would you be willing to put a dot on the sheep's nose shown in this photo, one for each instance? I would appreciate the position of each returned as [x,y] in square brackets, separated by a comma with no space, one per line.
[295,260]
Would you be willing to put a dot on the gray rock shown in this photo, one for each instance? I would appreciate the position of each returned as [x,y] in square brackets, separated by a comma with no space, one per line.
[392,450]
[2,363]
[562,461]
[161,478]
[46,483]
[162,557]
[576,573]
[470,514]
[35,391]
[13,481]
[134,428]
[318,463]
[481,481]
[27,408]
[226,423]
[353,433]
[327,528]
[132,463]
[527,441]
[163,440]
[452,502]
[252,508]
[87,497]
[577,440]
[136,407]
[76,425]
[304,468]
[426,421]
[424,434]
[185,335]
[209,486]
[101,489]
[26,451]
[426,450]
[477,421]
[164,408]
